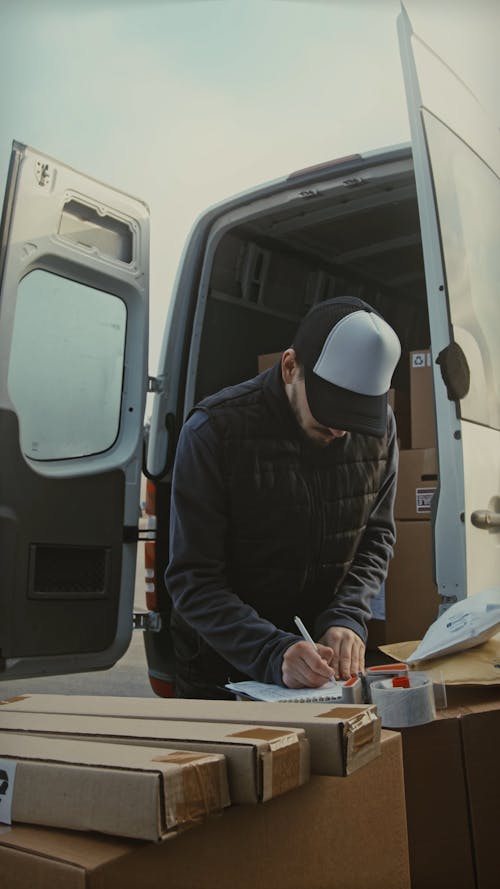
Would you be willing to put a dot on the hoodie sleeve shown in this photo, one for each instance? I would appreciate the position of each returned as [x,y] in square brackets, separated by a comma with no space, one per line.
[197,575]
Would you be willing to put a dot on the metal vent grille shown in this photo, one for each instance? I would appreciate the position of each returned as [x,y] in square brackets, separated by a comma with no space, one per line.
[69,572]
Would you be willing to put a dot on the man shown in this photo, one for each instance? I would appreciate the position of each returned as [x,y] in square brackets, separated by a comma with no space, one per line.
[282,505]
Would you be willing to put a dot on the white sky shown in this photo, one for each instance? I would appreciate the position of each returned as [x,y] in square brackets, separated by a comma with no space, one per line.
[185,102]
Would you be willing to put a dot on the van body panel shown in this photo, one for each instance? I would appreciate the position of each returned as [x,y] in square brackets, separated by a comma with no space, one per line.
[73,374]
[456,149]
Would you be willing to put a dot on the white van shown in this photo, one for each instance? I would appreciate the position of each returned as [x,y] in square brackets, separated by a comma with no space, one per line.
[412,230]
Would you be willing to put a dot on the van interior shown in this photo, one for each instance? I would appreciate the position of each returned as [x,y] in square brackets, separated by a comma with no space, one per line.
[357,235]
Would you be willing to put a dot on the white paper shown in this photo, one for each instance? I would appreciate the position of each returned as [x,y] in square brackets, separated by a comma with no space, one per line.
[264,691]
[7,776]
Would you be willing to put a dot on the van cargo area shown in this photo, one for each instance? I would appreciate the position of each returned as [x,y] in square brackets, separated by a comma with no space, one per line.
[354,233]
[349,227]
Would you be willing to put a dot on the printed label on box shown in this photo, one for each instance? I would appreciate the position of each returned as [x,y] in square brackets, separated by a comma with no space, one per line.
[421,359]
[423,499]
[7,775]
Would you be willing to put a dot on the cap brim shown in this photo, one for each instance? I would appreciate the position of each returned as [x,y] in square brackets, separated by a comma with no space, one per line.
[338,408]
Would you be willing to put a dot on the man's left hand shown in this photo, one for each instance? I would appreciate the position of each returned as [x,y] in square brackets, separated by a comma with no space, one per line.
[348,651]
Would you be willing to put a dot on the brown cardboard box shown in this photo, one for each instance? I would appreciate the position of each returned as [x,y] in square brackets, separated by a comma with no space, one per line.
[268,360]
[411,597]
[480,724]
[400,403]
[328,834]
[452,776]
[262,761]
[436,807]
[417,483]
[343,737]
[129,791]
[423,418]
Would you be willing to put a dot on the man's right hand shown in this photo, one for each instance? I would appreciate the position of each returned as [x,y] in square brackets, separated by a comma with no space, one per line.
[304,667]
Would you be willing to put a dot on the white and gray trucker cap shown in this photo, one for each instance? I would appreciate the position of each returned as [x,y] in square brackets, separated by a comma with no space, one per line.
[349,354]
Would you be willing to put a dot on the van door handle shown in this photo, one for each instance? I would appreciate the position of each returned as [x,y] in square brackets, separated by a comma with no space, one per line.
[485,519]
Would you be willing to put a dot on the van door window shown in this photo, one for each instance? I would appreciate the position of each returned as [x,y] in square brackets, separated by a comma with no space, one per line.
[66,367]
[468,194]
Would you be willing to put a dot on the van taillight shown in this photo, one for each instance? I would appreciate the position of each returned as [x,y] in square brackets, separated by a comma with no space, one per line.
[162,688]
[150,506]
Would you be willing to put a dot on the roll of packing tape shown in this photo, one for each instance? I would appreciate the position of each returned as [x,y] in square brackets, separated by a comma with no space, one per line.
[400,707]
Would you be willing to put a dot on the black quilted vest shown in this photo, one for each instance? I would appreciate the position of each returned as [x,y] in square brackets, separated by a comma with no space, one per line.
[297,511]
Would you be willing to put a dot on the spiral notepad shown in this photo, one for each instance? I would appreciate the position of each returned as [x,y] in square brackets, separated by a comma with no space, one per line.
[264,691]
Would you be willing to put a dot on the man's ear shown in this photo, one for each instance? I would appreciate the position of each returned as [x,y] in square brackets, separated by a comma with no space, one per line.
[289,366]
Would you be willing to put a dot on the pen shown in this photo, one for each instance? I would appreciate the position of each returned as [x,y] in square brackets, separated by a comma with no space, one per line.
[307,636]
[305,633]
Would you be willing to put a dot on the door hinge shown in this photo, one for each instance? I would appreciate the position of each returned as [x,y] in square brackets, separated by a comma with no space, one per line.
[146,530]
[147,620]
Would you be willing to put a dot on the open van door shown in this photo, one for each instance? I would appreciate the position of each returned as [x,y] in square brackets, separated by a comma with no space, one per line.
[73,378]
[456,150]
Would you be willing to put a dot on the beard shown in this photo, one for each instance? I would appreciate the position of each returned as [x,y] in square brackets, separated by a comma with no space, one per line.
[313,435]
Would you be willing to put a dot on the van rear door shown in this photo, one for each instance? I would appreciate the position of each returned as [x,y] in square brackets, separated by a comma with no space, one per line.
[73,377]
[457,167]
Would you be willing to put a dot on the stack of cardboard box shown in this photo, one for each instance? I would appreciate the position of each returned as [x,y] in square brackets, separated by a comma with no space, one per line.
[411,597]
[325,832]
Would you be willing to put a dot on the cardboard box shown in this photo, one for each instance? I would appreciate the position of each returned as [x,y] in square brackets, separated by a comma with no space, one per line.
[417,484]
[400,403]
[129,791]
[480,725]
[422,408]
[268,360]
[262,761]
[452,776]
[411,597]
[342,737]
[325,835]
[436,807]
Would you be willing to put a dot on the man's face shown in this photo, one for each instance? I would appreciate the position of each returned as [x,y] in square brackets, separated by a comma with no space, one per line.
[315,431]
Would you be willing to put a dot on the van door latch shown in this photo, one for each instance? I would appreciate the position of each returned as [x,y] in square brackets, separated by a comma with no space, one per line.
[485,519]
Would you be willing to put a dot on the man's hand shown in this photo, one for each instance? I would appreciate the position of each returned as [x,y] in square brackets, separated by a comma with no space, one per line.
[348,651]
[304,667]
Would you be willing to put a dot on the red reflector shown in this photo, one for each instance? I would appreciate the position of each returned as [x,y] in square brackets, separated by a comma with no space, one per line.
[149,554]
[162,688]
[150,498]
[151,601]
